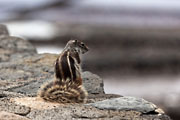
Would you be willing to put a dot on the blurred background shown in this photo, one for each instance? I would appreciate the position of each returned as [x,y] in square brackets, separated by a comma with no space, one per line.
[134,45]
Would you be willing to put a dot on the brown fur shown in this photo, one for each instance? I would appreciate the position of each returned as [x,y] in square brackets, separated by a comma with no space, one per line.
[67,86]
[63,93]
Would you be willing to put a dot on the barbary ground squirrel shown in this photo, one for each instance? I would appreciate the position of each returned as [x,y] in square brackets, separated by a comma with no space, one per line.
[67,86]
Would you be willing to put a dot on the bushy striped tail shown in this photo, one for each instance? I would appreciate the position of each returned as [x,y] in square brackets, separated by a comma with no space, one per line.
[63,92]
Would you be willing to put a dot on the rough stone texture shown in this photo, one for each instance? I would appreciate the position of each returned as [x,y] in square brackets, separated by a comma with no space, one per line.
[90,80]
[23,71]
[68,112]
[37,109]
[10,116]
[11,46]
[28,73]
[9,94]
[47,111]
[40,104]
[34,103]
[78,112]
[15,44]
[126,103]
[7,105]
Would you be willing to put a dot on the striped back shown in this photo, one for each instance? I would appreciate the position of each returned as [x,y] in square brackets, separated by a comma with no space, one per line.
[67,65]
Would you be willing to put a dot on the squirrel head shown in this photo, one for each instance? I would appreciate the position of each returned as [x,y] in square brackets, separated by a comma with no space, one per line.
[77,45]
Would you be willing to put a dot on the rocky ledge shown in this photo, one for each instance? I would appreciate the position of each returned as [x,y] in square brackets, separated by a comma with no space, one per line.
[23,71]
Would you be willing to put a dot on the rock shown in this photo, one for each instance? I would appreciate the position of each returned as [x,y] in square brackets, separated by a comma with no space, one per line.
[89,80]
[4,94]
[28,73]
[10,116]
[40,104]
[34,103]
[47,110]
[7,105]
[23,71]
[16,45]
[13,45]
[127,103]
[80,111]
[68,112]
[99,97]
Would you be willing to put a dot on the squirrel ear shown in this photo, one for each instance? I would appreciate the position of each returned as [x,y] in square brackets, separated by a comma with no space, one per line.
[75,41]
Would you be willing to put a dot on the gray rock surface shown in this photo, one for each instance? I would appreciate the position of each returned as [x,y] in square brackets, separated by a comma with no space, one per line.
[72,111]
[25,74]
[10,116]
[29,73]
[23,71]
[16,45]
[126,103]
[94,80]
[8,106]
[11,46]
[80,111]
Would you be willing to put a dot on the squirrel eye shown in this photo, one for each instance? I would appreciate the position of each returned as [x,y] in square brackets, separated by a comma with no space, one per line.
[82,44]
